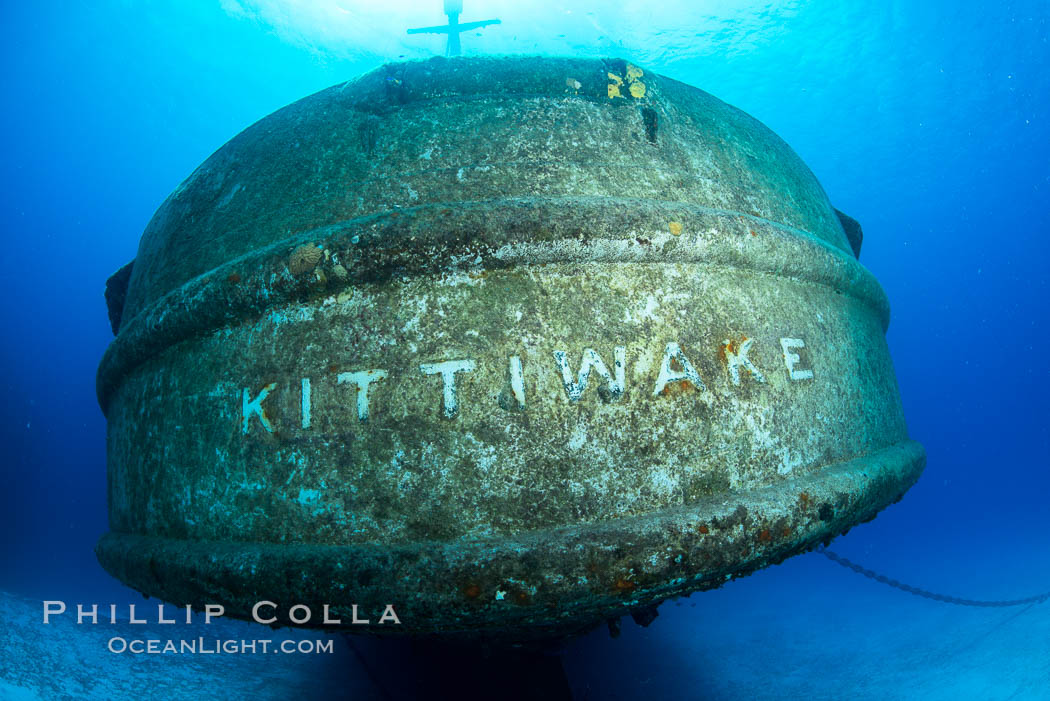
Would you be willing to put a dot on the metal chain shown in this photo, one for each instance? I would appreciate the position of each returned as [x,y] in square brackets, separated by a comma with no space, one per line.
[1038,598]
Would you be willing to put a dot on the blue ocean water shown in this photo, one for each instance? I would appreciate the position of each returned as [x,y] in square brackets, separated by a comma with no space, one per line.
[928,122]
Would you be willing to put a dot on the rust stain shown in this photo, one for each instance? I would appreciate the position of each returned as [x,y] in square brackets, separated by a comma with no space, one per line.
[725,350]
[730,348]
[677,389]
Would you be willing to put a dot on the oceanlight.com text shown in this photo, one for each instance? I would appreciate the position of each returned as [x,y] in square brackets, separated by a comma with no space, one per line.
[218,646]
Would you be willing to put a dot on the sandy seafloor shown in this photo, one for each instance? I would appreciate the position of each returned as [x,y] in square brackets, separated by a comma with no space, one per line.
[807,629]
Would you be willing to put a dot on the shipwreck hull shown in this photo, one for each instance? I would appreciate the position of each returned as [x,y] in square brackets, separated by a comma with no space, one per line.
[515,346]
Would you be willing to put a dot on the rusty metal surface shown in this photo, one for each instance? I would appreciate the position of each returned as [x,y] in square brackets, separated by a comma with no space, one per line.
[515,345]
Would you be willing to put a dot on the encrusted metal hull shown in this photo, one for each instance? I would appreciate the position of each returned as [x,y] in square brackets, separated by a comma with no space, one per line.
[513,345]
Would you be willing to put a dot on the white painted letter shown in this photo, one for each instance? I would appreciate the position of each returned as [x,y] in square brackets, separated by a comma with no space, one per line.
[740,359]
[448,371]
[791,358]
[306,402]
[362,379]
[667,375]
[251,406]
[517,381]
[614,386]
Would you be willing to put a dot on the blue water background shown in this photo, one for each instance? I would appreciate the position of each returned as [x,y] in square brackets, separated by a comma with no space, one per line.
[928,122]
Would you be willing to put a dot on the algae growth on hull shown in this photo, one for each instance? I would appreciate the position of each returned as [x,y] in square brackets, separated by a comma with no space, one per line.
[516,345]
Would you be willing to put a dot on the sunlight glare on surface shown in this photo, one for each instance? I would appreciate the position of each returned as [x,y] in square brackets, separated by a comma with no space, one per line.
[655,33]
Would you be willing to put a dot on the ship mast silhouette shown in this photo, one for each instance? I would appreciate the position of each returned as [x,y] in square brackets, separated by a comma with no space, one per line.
[453,8]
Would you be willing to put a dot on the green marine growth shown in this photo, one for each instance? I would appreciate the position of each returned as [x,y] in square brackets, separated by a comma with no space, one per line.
[513,345]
